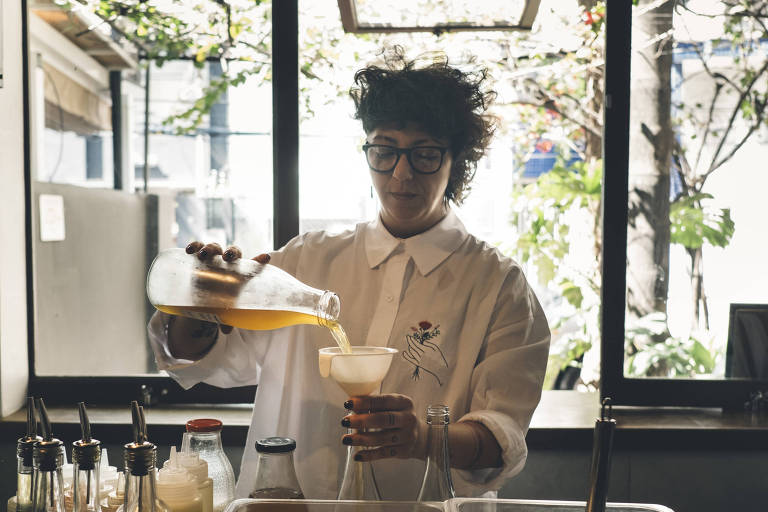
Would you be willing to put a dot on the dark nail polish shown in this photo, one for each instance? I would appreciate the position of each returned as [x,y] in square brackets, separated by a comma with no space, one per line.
[358,457]
[346,423]
[229,255]
[203,253]
[348,404]
[346,440]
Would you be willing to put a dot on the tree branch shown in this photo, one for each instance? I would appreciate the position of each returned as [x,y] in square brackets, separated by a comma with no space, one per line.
[734,149]
[710,116]
[731,121]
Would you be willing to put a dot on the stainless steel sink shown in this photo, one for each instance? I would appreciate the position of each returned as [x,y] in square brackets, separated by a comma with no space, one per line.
[483,505]
[252,505]
[454,505]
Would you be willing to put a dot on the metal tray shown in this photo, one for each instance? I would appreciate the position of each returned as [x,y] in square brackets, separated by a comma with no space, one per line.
[496,505]
[254,505]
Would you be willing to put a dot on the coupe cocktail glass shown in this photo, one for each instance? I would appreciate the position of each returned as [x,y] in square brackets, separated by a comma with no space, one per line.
[359,372]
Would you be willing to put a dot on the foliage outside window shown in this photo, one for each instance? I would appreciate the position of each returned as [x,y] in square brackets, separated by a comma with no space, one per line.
[550,105]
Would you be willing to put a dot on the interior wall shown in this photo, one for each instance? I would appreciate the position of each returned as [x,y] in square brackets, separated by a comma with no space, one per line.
[13,302]
[90,295]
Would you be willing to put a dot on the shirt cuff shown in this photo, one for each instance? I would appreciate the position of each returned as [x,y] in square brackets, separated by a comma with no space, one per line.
[184,371]
[514,452]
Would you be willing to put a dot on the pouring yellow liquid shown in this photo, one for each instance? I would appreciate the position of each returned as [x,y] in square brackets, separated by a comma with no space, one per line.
[259,319]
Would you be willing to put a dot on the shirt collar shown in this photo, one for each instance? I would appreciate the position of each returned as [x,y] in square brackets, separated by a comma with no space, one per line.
[427,249]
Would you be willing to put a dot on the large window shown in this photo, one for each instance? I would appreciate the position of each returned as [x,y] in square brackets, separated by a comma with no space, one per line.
[188,162]
[116,177]
[695,327]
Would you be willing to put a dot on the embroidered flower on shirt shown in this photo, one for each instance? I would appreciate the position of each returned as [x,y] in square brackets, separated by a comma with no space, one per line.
[418,342]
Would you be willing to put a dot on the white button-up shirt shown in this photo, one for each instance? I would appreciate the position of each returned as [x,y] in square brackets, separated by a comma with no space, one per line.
[470,333]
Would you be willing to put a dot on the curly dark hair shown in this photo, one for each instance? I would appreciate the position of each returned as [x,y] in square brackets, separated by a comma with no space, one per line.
[442,100]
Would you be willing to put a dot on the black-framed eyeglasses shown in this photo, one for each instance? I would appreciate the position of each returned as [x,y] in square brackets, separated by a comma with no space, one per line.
[423,159]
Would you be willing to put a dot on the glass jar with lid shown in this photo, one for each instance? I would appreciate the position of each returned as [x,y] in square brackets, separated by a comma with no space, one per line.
[275,471]
[203,436]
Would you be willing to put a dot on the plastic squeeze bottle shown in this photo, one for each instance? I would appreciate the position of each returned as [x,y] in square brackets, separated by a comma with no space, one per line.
[178,490]
[198,468]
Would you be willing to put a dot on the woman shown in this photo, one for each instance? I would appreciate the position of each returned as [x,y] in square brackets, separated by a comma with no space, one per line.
[411,278]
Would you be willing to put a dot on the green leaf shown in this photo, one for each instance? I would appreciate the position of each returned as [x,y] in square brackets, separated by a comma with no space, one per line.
[692,223]
[571,292]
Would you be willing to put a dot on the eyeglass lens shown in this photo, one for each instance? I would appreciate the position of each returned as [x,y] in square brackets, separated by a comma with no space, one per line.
[423,159]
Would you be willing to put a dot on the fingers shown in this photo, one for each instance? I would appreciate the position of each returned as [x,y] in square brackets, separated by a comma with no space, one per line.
[209,251]
[383,452]
[193,247]
[232,253]
[263,258]
[386,419]
[387,402]
[389,437]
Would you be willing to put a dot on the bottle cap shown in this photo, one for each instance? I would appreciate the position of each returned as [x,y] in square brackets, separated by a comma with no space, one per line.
[204,425]
[275,445]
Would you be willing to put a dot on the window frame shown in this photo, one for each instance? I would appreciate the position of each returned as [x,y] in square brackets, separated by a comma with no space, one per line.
[154,389]
[730,394]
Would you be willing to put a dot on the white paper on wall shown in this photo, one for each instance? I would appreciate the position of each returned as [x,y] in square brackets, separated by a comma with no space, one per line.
[52,218]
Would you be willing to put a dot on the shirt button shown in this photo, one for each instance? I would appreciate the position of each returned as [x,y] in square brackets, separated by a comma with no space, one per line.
[389,298]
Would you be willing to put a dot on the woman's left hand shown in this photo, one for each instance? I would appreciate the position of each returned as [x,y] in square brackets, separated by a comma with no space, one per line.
[397,428]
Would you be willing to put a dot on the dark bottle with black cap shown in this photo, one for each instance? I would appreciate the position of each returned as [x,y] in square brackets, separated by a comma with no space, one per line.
[275,473]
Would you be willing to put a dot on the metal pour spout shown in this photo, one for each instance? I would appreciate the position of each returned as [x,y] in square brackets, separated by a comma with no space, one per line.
[139,423]
[85,424]
[45,422]
[31,419]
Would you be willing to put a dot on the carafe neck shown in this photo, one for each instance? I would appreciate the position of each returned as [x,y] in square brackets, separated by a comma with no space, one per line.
[327,309]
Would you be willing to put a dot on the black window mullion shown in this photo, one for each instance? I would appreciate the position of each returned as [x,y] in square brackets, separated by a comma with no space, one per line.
[618,35]
[285,120]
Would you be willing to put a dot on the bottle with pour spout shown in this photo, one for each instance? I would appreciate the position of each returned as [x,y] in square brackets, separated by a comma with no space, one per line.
[242,293]
[24,466]
[140,465]
[86,459]
[47,458]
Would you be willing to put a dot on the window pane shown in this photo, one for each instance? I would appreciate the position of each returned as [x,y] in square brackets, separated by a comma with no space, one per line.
[696,236]
[561,56]
[213,183]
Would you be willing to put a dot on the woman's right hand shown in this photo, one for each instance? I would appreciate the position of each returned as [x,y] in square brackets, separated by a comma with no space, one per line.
[189,338]
[207,251]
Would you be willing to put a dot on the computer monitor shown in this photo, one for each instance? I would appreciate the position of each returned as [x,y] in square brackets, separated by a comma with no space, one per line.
[747,349]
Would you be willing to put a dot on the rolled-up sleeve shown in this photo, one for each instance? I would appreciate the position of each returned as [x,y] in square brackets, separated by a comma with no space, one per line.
[234,360]
[507,380]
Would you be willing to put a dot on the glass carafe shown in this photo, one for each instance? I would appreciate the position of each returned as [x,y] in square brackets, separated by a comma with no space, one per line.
[242,293]
[358,372]
[437,484]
